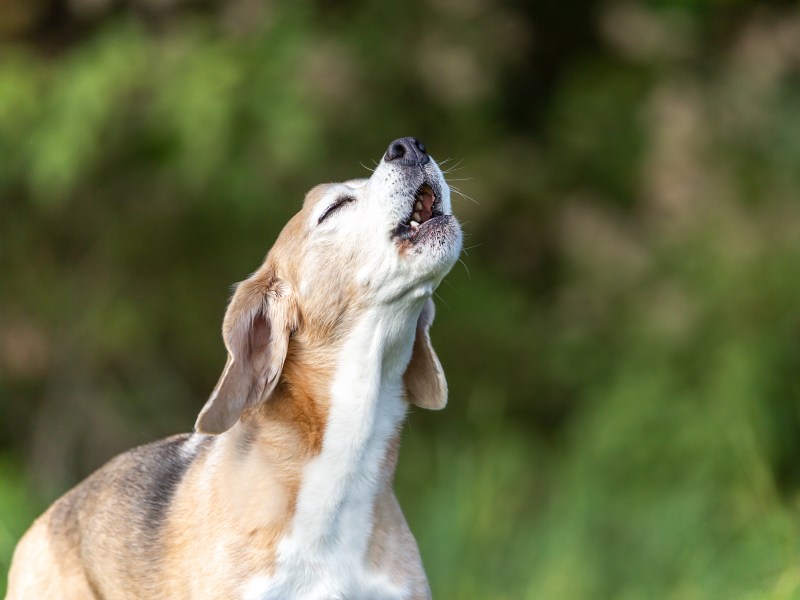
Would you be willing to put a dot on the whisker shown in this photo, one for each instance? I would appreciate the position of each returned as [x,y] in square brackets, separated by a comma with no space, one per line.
[455,166]
[469,276]
[460,179]
[366,167]
[443,300]
[463,195]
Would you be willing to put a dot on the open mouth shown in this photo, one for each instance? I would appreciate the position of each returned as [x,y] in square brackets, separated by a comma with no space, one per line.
[423,205]
[426,206]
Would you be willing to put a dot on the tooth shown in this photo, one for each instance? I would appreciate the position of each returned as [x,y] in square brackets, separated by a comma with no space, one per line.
[414,224]
[418,205]
[416,216]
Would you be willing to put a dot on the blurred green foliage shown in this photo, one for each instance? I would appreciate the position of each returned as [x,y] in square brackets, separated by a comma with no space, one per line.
[622,342]
[18,508]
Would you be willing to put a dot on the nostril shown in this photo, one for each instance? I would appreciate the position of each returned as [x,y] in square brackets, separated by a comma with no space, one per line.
[396,150]
[407,151]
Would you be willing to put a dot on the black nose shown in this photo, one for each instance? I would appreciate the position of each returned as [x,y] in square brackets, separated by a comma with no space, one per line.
[407,151]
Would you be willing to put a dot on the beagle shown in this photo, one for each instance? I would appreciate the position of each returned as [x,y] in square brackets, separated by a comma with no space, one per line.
[285,489]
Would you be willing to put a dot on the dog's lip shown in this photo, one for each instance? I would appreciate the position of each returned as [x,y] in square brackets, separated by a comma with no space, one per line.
[425,208]
[415,233]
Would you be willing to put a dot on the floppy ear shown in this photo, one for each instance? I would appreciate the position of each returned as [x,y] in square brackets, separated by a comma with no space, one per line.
[424,376]
[260,318]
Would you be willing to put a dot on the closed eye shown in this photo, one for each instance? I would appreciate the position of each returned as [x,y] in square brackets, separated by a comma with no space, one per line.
[340,201]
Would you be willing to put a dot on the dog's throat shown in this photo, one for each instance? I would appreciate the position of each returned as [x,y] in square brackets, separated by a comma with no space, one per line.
[339,486]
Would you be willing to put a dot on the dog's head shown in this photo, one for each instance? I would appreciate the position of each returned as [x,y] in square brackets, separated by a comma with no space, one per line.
[382,243]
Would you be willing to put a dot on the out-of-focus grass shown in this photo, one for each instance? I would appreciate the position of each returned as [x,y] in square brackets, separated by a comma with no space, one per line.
[614,526]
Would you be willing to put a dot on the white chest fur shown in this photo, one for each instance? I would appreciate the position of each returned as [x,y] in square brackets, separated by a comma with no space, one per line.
[324,556]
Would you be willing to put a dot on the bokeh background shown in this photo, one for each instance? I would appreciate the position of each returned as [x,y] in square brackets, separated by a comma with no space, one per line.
[622,340]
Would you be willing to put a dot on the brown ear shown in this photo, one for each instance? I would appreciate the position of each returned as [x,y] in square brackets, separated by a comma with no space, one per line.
[424,376]
[256,330]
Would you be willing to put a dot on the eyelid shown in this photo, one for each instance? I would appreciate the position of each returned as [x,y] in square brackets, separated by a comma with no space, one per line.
[342,200]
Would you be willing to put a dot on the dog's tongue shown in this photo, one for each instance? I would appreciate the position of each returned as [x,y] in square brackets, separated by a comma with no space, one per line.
[425,198]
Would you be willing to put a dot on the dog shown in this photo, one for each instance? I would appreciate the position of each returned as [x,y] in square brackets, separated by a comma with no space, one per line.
[285,489]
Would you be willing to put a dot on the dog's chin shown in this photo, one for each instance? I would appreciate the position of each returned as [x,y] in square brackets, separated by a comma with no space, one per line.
[439,230]
[422,233]
[434,247]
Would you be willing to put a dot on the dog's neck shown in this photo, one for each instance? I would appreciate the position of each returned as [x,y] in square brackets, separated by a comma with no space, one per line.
[346,465]
[365,410]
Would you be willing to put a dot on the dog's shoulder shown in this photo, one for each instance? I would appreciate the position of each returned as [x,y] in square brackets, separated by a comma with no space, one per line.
[145,478]
[131,494]
[150,474]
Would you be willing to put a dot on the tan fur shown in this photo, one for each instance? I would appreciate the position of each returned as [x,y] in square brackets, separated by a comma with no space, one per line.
[236,497]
